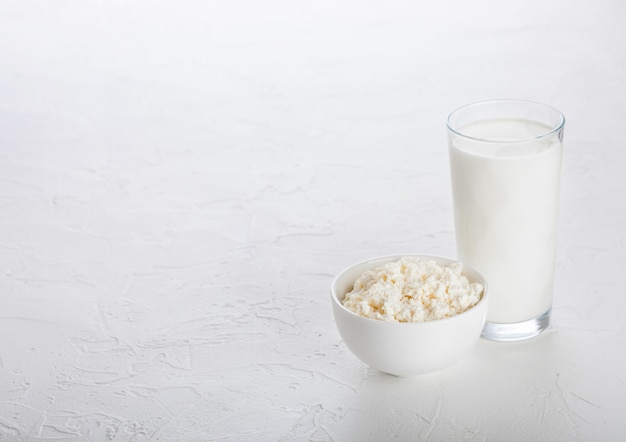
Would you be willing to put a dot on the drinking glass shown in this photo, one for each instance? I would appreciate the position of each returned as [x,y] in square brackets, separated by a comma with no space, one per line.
[505,163]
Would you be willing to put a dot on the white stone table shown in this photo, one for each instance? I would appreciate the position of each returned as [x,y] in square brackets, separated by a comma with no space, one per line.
[180,181]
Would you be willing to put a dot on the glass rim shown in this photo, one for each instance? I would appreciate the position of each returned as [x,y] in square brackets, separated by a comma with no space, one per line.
[551,132]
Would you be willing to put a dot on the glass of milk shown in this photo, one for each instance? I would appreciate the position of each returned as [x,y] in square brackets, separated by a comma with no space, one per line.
[505,163]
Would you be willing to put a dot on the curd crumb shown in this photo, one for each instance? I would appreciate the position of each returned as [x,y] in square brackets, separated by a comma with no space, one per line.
[413,290]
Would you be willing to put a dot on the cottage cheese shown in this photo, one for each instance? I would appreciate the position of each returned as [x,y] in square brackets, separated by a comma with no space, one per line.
[412,290]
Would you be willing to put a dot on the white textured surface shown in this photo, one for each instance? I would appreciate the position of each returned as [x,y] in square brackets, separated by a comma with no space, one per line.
[180,181]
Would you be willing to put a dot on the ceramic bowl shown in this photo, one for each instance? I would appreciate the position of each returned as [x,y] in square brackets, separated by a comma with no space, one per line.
[407,348]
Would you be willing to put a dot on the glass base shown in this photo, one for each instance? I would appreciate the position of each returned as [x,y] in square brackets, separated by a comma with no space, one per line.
[517,331]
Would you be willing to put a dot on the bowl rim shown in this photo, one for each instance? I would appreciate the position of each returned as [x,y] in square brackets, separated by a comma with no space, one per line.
[390,258]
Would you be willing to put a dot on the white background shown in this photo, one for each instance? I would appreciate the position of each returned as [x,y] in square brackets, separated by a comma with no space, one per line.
[180,181]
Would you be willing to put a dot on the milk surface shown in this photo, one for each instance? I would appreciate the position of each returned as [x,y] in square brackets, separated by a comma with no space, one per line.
[506,195]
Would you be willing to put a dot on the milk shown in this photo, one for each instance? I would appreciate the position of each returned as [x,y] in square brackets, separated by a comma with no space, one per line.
[506,195]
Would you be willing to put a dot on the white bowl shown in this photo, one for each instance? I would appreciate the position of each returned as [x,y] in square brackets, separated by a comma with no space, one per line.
[407,348]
